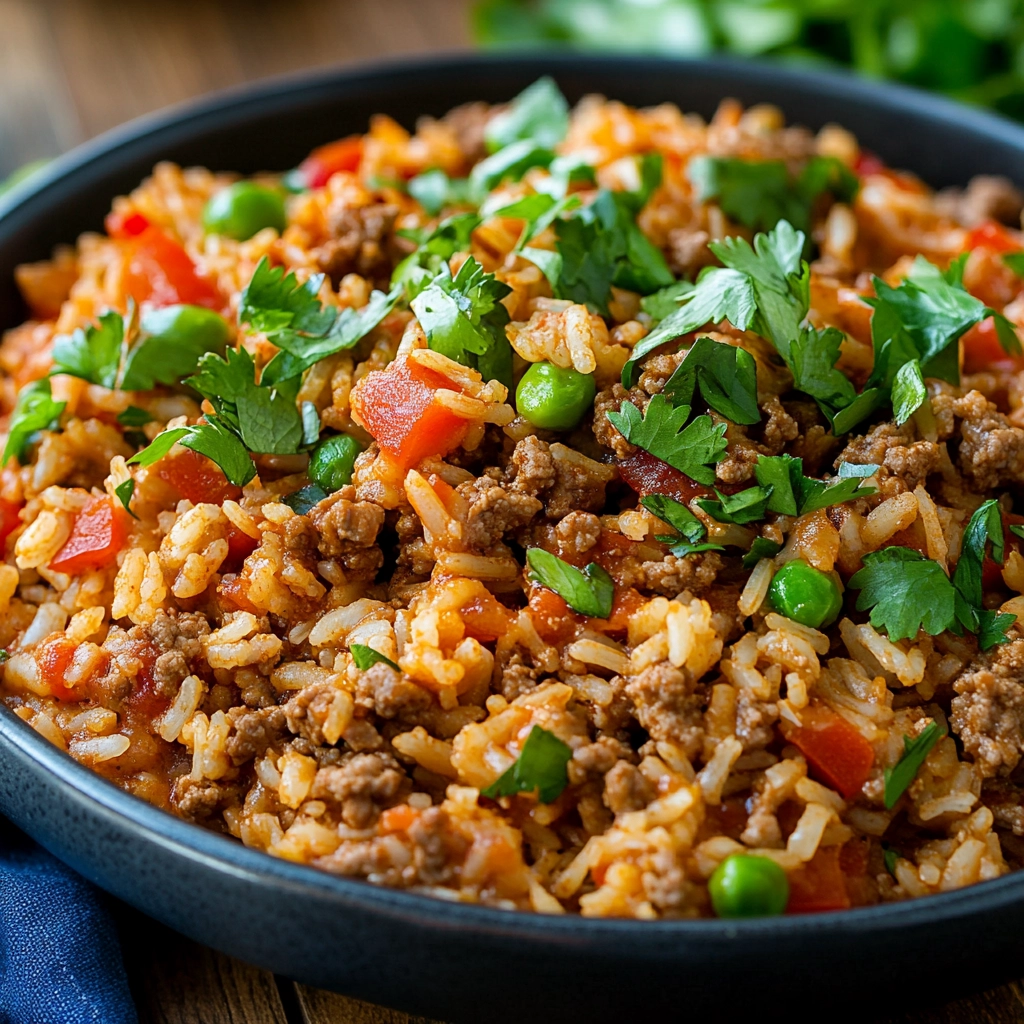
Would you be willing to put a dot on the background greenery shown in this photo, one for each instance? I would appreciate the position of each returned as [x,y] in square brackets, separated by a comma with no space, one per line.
[970,49]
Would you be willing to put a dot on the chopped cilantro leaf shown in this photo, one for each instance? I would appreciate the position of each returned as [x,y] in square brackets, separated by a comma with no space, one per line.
[812,358]
[133,416]
[433,249]
[690,529]
[761,548]
[541,766]
[539,113]
[1015,261]
[793,494]
[906,592]
[745,507]
[170,344]
[302,500]
[726,376]
[985,527]
[760,193]
[890,857]
[210,438]
[464,319]
[589,592]
[365,656]
[34,410]
[852,469]
[92,354]
[691,449]
[434,190]
[899,778]
[539,211]
[508,164]
[664,302]
[992,627]
[124,492]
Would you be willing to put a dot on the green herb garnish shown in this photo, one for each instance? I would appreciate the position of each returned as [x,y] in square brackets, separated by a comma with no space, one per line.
[365,656]
[541,767]
[589,592]
[899,778]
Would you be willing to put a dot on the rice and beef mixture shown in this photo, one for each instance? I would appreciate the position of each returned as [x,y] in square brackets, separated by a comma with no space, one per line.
[603,512]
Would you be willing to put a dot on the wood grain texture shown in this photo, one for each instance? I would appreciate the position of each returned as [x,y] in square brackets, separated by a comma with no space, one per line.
[319,1007]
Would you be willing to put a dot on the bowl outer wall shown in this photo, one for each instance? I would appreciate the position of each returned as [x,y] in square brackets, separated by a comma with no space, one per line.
[423,955]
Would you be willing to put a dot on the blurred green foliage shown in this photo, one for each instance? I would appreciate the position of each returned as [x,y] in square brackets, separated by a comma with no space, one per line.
[970,49]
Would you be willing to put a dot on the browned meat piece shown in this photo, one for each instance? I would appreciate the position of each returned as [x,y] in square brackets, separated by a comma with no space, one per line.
[254,731]
[579,531]
[390,694]
[564,479]
[493,512]
[992,451]
[905,463]
[1006,802]
[688,251]
[362,786]
[348,532]
[532,469]
[468,123]
[204,801]
[988,713]
[672,575]
[358,242]
[517,678]
[987,197]
[754,721]
[625,789]
[667,706]
[176,639]
[300,536]
[594,760]
[610,400]
[307,711]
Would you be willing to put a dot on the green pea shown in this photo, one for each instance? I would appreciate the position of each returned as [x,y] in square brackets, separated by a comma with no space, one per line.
[174,339]
[242,209]
[554,399]
[332,461]
[805,594]
[746,886]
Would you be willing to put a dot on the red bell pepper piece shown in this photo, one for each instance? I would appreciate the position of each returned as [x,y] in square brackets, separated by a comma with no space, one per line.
[399,407]
[10,520]
[197,479]
[324,162]
[157,270]
[993,235]
[837,752]
[98,534]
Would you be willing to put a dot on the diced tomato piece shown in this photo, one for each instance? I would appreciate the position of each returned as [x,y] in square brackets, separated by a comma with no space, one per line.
[158,271]
[399,407]
[240,547]
[840,756]
[649,475]
[197,479]
[995,236]
[235,592]
[324,162]
[398,819]
[983,350]
[126,225]
[145,702]
[867,163]
[553,619]
[54,658]
[628,601]
[485,617]
[10,520]
[818,885]
[98,534]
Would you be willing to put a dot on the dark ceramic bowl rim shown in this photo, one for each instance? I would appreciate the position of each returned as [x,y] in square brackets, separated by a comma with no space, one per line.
[194,843]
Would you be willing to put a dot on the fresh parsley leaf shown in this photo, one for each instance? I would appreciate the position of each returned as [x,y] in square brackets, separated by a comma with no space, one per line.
[538,210]
[365,656]
[664,302]
[745,507]
[170,344]
[133,416]
[124,492]
[434,190]
[539,114]
[691,449]
[812,358]
[92,354]
[761,548]
[541,766]
[985,527]
[265,418]
[760,193]
[793,494]
[508,164]
[992,628]
[691,531]
[302,500]
[847,470]
[210,438]
[34,410]
[463,318]
[899,778]
[726,376]
[906,592]
[589,592]
[433,250]
[1015,261]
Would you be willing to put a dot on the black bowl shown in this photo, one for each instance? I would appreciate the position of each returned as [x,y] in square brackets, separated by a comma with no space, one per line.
[460,962]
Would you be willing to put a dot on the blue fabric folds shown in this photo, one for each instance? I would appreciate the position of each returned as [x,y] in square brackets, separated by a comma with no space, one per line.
[60,960]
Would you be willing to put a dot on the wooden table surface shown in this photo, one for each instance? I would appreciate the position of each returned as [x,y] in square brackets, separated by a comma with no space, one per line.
[72,68]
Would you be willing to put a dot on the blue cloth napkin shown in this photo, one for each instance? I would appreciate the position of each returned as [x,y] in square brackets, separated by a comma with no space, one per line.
[60,960]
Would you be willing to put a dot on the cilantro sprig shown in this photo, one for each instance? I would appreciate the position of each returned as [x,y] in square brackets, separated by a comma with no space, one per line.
[539,114]
[35,410]
[725,375]
[589,592]
[692,448]
[689,529]
[542,767]
[915,751]
[364,656]
[794,494]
